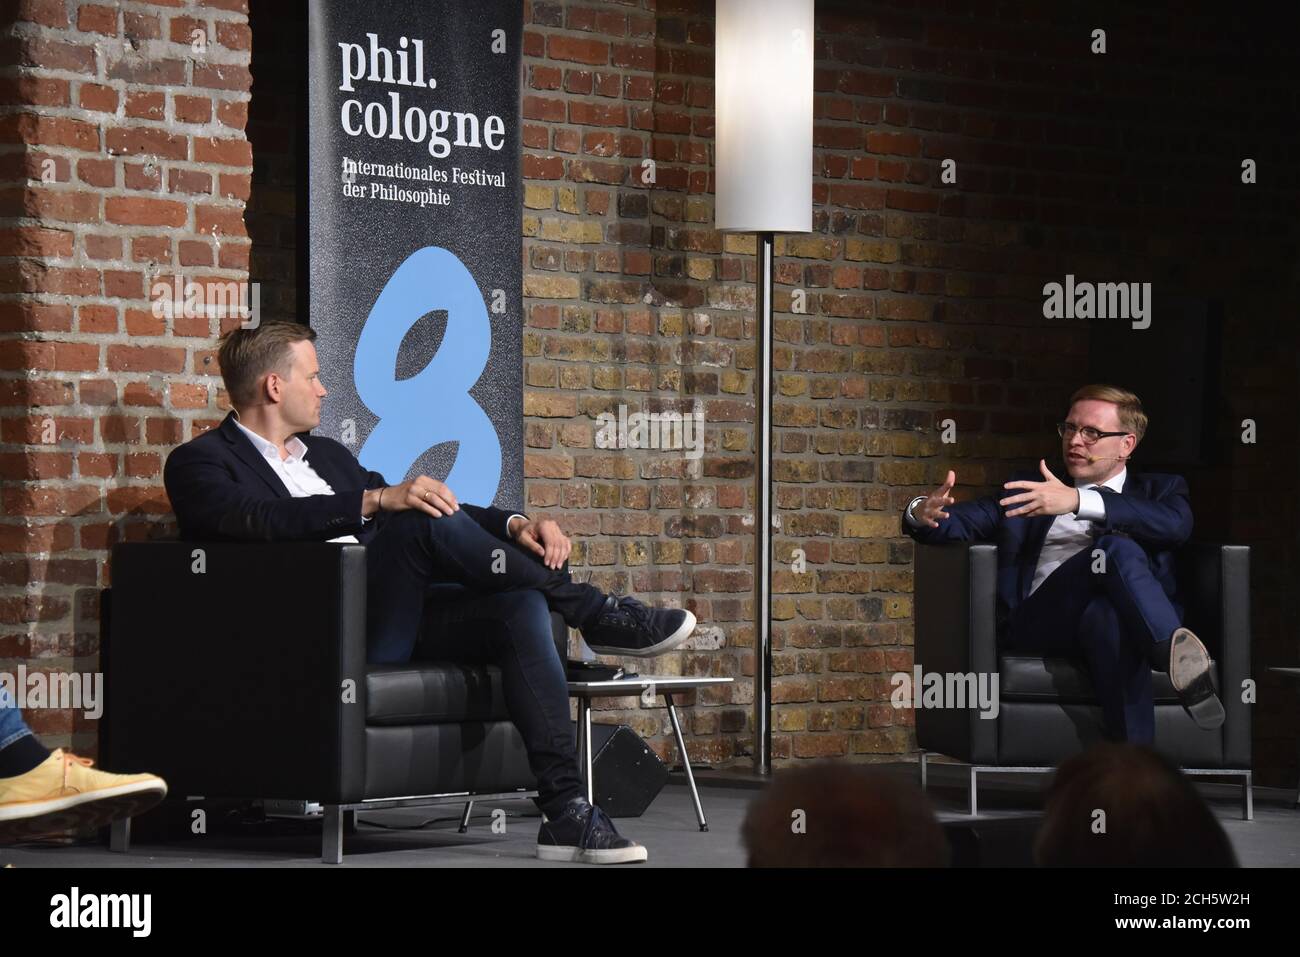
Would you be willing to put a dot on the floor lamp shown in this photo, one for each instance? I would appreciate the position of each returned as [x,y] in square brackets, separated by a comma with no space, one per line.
[763,160]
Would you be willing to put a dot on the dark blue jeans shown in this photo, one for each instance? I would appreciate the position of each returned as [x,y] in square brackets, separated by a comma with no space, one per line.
[19,749]
[512,630]
[1119,623]
[11,720]
[499,615]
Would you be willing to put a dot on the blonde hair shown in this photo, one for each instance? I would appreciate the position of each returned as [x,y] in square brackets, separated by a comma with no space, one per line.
[1131,417]
[248,354]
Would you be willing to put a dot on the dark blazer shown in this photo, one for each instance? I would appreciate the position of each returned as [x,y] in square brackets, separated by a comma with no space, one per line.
[222,489]
[1153,510]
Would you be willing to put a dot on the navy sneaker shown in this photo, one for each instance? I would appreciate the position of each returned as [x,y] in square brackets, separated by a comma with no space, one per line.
[626,626]
[584,834]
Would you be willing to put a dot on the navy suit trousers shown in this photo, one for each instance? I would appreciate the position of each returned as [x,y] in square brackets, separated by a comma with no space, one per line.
[1119,621]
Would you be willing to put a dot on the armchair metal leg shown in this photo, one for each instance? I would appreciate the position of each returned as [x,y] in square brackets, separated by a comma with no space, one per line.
[1247,785]
[332,835]
[464,817]
[924,781]
[971,791]
[119,836]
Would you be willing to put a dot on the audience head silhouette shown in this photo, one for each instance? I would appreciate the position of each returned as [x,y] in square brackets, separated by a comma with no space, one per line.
[842,815]
[1123,805]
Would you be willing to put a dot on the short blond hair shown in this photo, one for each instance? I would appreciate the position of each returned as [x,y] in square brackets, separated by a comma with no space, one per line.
[248,354]
[1131,417]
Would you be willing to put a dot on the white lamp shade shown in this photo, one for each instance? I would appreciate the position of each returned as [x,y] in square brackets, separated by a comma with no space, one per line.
[764,115]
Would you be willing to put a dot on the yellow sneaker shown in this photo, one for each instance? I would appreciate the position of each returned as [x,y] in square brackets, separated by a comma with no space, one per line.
[62,793]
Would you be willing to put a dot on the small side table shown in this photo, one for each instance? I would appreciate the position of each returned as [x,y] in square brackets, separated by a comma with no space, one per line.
[666,685]
[1290,673]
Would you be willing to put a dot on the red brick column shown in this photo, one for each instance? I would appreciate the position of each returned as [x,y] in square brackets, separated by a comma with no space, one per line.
[123,163]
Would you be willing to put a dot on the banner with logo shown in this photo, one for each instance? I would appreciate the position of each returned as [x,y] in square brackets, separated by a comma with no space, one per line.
[414,257]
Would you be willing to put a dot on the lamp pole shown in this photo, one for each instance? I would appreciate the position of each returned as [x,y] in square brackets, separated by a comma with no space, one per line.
[763,68]
[763,557]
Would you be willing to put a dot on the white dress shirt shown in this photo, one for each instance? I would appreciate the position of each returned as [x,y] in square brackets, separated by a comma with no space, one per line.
[300,479]
[1070,533]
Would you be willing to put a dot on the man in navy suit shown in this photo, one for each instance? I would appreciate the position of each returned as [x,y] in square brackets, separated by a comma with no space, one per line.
[261,476]
[1087,569]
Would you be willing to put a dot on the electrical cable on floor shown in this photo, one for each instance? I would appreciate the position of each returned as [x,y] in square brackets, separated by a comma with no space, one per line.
[482,818]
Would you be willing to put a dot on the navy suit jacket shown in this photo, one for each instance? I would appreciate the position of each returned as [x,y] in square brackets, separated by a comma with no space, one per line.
[1153,510]
[222,489]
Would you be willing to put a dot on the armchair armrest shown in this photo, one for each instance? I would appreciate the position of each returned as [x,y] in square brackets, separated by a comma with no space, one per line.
[238,670]
[1214,582]
[956,632]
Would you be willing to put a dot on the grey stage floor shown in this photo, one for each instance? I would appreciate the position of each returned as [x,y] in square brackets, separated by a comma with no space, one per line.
[667,829]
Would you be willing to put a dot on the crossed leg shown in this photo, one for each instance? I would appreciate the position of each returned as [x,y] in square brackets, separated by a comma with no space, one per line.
[1118,620]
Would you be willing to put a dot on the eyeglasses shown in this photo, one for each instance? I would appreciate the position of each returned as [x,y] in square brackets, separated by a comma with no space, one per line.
[1090,435]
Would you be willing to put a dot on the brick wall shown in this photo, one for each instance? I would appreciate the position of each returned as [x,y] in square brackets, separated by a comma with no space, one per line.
[923,303]
[123,162]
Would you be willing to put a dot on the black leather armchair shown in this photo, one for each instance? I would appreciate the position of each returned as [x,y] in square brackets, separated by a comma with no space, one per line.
[239,671]
[1047,709]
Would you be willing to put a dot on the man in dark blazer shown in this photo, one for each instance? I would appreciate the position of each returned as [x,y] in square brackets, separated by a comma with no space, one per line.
[1086,569]
[261,476]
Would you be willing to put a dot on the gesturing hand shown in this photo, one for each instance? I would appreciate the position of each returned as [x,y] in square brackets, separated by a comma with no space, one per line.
[931,509]
[1049,497]
[545,538]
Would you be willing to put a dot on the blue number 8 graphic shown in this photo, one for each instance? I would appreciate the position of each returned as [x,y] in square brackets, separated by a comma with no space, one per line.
[433,406]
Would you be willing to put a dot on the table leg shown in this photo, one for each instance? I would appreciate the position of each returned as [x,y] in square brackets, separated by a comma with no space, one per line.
[582,750]
[686,760]
[584,729]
